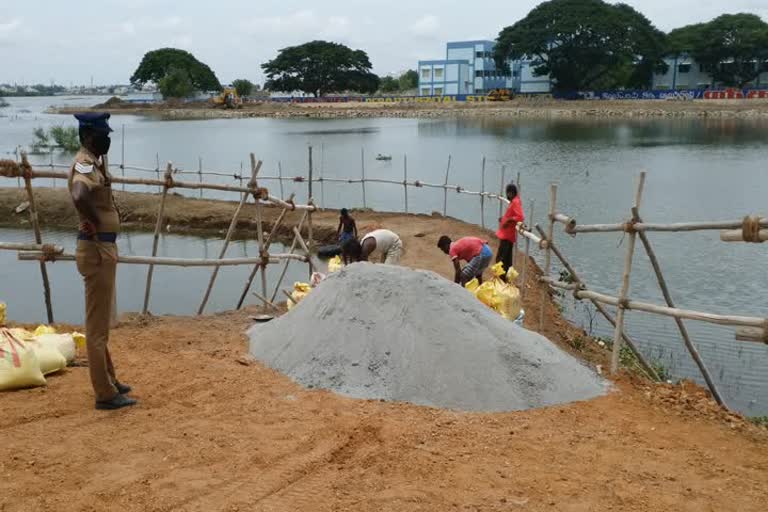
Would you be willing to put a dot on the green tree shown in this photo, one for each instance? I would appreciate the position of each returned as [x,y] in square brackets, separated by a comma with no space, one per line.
[733,47]
[243,87]
[158,64]
[409,80]
[176,84]
[319,68]
[389,84]
[583,44]
[67,138]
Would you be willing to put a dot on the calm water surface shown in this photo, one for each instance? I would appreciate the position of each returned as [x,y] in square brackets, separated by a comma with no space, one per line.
[697,170]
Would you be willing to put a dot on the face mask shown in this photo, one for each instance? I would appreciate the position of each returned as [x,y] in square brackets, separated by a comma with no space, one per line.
[101,144]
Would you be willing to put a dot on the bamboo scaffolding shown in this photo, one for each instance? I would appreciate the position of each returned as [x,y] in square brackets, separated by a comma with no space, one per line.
[752,334]
[502,189]
[680,325]
[668,228]
[310,234]
[482,196]
[169,262]
[38,235]
[230,231]
[405,181]
[445,188]
[527,254]
[737,235]
[263,250]
[548,253]
[290,251]
[618,337]
[362,176]
[600,308]
[43,248]
[312,265]
[280,177]
[156,236]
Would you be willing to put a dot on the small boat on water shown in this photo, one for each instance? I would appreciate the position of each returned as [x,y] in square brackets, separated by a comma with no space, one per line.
[383,157]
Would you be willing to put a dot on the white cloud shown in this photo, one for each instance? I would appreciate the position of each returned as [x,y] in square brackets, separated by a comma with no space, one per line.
[300,24]
[128,28]
[425,26]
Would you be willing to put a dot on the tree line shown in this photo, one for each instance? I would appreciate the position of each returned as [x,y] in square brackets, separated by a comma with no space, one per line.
[579,44]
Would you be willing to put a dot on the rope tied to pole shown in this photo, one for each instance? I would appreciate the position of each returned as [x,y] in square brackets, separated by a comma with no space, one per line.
[417,184]
[168,182]
[290,202]
[10,169]
[298,179]
[459,189]
[629,226]
[624,303]
[750,229]
[49,252]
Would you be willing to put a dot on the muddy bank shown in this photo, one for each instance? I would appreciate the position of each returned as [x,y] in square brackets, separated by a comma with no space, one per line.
[523,108]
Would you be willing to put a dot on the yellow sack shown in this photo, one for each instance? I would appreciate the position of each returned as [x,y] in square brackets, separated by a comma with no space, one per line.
[44,329]
[506,299]
[334,264]
[49,358]
[22,334]
[19,367]
[3,309]
[512,274]
[498,269]
[79,339]
[64,343]
[472,285]
[300,290]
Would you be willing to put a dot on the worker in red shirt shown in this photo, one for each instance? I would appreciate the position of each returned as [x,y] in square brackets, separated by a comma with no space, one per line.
[507,233]
[472,250]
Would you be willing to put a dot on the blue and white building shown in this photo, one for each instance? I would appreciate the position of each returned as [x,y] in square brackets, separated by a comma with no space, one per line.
[683,72]
[469,68]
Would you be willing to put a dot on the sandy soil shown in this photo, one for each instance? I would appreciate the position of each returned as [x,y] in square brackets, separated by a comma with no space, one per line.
[218,431]
[518,108]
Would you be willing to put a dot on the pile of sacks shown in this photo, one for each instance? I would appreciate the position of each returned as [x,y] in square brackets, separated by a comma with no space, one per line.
[502,297]
[301,290]
[27,357]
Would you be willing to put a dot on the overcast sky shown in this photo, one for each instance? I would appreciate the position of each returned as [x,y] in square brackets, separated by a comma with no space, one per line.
[71,41]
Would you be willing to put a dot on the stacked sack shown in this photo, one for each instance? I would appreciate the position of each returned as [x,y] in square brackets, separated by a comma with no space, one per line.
[502,297]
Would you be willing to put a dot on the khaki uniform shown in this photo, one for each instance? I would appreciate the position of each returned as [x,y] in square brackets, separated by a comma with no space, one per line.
[97,263]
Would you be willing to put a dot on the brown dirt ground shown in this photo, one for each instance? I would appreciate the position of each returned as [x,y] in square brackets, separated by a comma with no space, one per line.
[540,107]
[217,431]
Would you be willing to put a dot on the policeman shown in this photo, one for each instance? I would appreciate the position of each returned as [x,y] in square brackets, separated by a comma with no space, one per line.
[91,190]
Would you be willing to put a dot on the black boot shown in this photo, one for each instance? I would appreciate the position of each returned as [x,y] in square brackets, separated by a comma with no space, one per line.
[123,389]
[118,402]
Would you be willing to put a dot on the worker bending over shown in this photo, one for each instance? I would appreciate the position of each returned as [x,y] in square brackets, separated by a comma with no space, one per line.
[382,241]
[474,251]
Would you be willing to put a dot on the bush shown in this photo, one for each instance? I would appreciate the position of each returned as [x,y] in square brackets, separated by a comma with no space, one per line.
[243,87]
[67,139]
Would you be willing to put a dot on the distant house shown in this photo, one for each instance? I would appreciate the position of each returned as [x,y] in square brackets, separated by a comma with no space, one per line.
[469,68]
[685,73]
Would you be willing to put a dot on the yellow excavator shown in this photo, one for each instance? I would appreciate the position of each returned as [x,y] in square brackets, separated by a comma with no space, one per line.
[499,95]
[228,98]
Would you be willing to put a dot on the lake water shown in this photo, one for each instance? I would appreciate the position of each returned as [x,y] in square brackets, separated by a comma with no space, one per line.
[697,170]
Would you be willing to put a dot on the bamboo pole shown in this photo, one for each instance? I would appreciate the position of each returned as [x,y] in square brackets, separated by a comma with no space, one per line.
[502,189]
[564,219]
[256,268]
[310,233]
[13,246]
[752,334]
[737,235]
[362,175]
[625,282]
[667,228]
[527,255]
[680,325]
[405,181]
[122,153]
[280,176]
[232,225]
[482,196]
[445,188]
[157,170]
[156,237]
[601,309]
[548,253]
[200,173]
[266,301]
[290,251]
[173,262]
[302,243]
[38,235]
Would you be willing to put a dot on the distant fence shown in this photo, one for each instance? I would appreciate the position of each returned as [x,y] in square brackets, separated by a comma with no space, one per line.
[664,94]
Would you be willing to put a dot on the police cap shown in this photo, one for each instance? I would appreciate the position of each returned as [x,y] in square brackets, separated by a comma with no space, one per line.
[94,121]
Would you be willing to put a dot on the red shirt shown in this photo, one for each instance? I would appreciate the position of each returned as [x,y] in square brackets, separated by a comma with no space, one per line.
[514,214]
[466,248]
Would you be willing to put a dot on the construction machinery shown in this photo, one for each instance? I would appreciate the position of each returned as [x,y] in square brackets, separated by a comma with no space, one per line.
[499,95]
[228,98]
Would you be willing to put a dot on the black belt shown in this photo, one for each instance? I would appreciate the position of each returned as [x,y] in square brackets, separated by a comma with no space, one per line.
[100,237]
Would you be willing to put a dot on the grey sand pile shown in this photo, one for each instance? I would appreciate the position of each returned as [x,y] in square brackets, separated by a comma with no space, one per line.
[383,332]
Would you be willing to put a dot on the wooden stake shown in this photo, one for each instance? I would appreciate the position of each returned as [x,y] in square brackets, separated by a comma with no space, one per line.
[266,301]
[527,255]
[680,325]
[122,153]
[405,181]
[312,265]
[280,176]
[38,236]
[200,173]
[310,201]
[156,238]
[502,189]
[600,308]
[548,253]
[445,188]
[362,175]
[232,225]
[482,196]
[618,337]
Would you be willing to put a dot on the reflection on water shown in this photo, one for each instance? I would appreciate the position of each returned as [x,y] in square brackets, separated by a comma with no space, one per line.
[698,169]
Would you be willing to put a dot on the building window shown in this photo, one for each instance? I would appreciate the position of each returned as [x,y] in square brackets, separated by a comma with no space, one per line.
[488,55]
[438,91]
[488,73]
[425,91]
[438,73]
[479,55]
[425,74]
[683,68]
[515,74]
[479,73]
